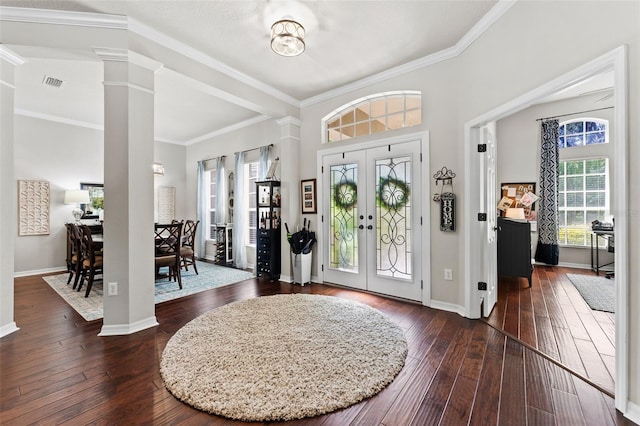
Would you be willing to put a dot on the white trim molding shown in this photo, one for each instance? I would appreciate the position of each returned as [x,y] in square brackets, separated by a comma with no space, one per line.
[231,128]
[63,17]
[128,85]
[125,329]
[10,56]
[8,329]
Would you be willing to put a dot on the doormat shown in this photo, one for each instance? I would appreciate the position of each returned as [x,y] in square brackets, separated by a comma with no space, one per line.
[598,292]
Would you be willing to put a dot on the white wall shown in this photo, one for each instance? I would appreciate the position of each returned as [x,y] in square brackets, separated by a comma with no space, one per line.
[66,155]
[519,154]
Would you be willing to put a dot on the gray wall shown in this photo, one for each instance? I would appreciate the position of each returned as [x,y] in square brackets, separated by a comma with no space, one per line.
[66,155]
[519,154]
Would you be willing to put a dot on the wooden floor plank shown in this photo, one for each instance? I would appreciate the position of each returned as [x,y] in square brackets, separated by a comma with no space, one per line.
[562,322]
[56,369]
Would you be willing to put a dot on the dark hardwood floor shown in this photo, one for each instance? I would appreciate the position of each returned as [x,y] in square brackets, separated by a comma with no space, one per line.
[553,318]
[56,369]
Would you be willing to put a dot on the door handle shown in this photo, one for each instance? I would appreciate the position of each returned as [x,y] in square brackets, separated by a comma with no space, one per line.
[361,227]
[369,226]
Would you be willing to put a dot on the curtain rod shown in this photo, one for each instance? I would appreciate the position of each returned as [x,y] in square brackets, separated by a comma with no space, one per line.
[573,113]
[214,158]
[253,149]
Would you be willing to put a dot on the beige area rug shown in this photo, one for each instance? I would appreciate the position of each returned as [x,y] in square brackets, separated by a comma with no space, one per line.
[283,357]
[209,276]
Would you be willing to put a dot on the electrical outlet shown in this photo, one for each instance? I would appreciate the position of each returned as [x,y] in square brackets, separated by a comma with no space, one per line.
[448,274]
[113,289]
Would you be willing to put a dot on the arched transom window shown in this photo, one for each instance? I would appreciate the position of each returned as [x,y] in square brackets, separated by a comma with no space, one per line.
[373,114]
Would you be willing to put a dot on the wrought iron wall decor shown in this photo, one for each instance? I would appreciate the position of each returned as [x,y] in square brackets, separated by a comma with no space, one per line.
[33,202]
[446,198]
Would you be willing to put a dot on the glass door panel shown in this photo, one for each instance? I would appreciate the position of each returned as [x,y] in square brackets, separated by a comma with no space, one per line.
[343,232]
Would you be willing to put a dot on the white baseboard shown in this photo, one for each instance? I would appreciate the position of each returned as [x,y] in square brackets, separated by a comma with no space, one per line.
[573,265]
[39,271]
[8,329]
[633,412]
[449,307]
[125,329]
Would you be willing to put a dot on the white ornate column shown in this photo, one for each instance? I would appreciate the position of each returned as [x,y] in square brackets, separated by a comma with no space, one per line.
[129,192]
[290,175]
[9,204]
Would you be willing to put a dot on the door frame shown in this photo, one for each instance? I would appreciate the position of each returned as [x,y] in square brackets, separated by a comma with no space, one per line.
[615,60]
[425,232]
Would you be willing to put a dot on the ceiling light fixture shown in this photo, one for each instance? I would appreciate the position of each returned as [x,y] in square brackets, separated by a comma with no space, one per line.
[287,38]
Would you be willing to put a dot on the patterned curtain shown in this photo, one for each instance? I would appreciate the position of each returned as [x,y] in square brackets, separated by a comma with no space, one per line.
[548,250]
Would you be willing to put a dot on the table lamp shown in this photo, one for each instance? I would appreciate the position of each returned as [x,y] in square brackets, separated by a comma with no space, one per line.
[515,213]
[77,197]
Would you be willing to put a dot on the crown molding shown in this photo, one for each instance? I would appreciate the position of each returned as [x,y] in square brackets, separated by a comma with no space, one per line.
[476,31]
[58,119]
[231,128]
[63,17]
[10,56]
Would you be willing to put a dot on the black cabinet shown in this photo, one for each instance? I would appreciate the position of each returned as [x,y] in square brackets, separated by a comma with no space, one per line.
[268,211]
[224,250]
[514,248]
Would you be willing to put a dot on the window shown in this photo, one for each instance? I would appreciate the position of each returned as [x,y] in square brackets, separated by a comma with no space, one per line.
[584,183]
[251,176]
[211,203]
[373,114]
[583,132]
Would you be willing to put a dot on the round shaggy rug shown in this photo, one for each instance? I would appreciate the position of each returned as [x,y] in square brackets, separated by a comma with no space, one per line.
[283,357]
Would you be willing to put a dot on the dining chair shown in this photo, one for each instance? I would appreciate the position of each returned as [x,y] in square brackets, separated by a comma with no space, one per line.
[74,253]
[91,262]
[167,249]
[187,252]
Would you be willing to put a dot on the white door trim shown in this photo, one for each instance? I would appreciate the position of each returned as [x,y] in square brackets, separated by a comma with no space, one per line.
[425,257]
[616,60]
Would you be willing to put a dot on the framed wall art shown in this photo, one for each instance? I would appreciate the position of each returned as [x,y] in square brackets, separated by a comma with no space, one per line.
[33,202]
[308,196]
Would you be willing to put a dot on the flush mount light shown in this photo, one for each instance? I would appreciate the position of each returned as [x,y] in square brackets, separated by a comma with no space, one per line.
[287,38]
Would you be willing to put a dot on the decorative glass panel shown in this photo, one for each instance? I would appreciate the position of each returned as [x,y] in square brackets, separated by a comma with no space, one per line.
[344,212]
[394,255]
[374,114]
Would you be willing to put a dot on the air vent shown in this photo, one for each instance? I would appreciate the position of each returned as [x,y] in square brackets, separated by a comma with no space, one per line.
[52,82]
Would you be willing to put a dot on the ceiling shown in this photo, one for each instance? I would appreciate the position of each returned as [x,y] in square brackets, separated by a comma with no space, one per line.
[346,41]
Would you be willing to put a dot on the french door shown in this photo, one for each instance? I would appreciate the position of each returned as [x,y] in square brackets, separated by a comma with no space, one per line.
[372,200]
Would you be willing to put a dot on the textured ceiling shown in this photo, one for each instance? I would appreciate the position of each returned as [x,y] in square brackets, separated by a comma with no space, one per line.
[345,40]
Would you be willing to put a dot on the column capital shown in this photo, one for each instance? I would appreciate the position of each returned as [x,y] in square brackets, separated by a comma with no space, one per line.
[289,119]
[125,55]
